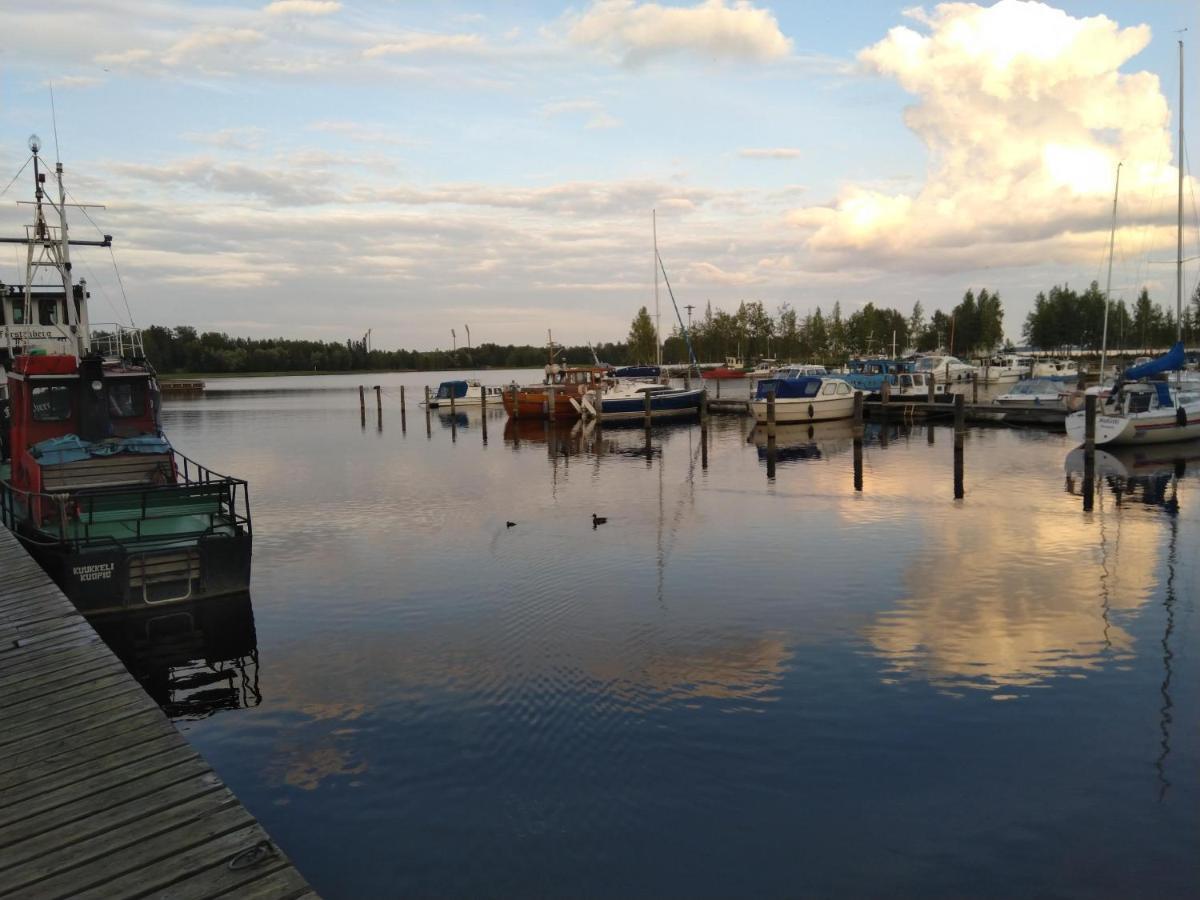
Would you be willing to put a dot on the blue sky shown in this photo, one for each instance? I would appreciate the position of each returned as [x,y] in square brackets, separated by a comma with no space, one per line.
[316,168]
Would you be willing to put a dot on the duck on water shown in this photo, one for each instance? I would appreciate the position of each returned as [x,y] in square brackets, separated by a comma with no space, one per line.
[88,482]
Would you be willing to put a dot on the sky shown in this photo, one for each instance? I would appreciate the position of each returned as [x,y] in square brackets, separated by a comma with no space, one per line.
[317,168]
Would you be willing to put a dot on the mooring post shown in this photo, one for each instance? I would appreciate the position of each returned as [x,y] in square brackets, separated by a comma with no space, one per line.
[403,408]
[885,391]
[687,380]
[929,434]
[516,410]
[932,382]
[483,411]
[1089,428]
[959,429]
[974,388]
[379,407]
[551,404]
[646,408]
[858,440]
[362,406]
[771,414]
[703,429]
[718,381]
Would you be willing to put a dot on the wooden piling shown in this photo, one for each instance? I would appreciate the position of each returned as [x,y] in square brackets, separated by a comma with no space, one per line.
[379,407]
[646,408]
[959,429]
[974,387]
[403,408]
[516,410]
[932,381]
[483,412]
[362,405]
[1089,428]
[704,429]
[858,440]
[428,425]
[551,406]
[771,414]
[718,381]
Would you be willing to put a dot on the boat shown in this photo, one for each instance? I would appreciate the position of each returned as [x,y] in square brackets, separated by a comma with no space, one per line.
[1143,407]
[1039,392]
[869,375]
[468,392]
[916,385]
[804,399]
[1057,369]
[628,402]
[766,368]
[734,367]
[552,399]
[117,517]
[1004,368]
[945,368]
[795,370]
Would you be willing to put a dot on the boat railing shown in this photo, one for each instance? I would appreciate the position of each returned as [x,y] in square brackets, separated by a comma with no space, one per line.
[222,500]
[113,340]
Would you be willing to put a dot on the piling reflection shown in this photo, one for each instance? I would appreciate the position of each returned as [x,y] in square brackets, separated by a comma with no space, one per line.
[193,659]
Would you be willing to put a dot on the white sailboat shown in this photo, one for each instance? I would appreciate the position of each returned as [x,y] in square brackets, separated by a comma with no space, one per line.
[1143,407]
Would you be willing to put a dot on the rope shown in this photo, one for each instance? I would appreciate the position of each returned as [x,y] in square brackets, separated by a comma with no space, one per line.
[15,177]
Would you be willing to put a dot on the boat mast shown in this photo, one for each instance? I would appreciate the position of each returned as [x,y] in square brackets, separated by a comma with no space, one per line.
[657,334]
[1112,238]
[1179,224]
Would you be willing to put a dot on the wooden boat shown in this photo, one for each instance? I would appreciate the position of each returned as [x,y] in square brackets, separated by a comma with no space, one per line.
[116,516]
[552,398]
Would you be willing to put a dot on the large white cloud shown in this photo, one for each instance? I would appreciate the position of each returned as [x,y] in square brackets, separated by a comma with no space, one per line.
[1025,113]
[713,29]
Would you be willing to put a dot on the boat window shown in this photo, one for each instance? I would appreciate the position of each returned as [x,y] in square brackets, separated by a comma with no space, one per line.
[1139,402]
[126,399]
[48,312]
[843,388]
[51,403]
[829,389]
[18,312]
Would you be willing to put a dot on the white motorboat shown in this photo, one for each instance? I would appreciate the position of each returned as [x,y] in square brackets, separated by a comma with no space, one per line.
[1058,369]
[468,392]
[804,398]
[1039,392]
[797,370]
[1143,410]
[1004,368]
[946,368]
[915,385]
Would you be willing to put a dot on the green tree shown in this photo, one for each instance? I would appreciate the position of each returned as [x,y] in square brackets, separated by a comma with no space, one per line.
[642,340]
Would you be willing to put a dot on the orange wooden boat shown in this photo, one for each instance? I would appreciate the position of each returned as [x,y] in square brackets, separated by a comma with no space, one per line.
[563,383]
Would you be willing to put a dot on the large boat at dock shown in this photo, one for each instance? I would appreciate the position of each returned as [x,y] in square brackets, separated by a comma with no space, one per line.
[804,399]
[88,482]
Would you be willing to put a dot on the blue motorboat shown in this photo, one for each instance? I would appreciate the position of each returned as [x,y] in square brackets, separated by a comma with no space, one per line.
[868,375]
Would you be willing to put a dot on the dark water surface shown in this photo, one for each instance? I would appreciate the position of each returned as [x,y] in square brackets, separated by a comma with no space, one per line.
[734,687]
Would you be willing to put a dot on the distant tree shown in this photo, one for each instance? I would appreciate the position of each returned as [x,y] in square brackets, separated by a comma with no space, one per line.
[642,339]
[916,321]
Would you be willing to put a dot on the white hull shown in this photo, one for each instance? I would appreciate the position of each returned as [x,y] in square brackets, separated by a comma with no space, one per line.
[473,397]
[806,409]
[1157,427]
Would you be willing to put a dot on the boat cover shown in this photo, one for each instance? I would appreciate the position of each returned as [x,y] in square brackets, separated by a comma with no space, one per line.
[785,388]
[459,389]
[1174,359]
[637,372]
[73,448]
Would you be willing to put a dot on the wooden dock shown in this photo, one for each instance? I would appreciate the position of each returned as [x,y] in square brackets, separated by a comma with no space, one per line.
[1029,414]
[100,795]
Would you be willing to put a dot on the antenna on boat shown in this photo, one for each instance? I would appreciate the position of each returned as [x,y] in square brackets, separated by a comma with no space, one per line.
[657,318]
[1112,238]
[1179,224]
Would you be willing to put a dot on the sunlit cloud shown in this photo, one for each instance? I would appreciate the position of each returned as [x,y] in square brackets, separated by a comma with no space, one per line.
[302,7]
[713,30]
[769,153]
[426,43]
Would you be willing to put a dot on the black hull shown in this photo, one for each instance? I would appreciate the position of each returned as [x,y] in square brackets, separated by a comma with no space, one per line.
[103,581]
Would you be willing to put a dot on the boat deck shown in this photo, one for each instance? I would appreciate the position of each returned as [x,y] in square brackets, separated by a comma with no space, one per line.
[100,796]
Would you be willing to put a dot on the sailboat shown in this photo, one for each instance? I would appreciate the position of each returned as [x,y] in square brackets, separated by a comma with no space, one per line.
[1143,407]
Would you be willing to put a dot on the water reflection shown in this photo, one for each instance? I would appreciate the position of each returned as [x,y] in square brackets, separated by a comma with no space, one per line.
[193,659]
[801,443]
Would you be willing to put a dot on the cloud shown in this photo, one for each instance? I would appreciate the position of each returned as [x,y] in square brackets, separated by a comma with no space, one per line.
[302,7]
[244,138]
[717,30]
[603,120]
[75,81]
[769,153]
[427,43]
[1025,114]
[559,107]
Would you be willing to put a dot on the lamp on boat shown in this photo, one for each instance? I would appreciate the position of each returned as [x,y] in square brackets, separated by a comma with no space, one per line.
[35,143]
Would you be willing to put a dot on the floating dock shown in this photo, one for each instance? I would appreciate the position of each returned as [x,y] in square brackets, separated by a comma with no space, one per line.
[100,795]
[181,386]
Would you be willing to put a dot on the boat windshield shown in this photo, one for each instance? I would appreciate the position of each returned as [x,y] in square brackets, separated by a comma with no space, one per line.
[1037,386]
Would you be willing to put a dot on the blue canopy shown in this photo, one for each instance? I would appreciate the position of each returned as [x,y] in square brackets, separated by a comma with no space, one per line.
[637,372]
[1175,358]
[806,386]
[448,389]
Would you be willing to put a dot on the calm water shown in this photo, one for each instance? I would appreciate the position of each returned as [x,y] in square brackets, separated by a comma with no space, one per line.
[734,687]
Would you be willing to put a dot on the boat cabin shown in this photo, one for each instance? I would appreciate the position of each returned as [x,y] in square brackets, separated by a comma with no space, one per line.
[1141,397]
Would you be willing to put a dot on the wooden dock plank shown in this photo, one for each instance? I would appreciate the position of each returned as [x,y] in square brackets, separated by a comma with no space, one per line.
[100,796]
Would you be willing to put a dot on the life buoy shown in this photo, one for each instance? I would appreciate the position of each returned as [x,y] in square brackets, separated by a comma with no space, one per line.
[1181,418]
[810,410]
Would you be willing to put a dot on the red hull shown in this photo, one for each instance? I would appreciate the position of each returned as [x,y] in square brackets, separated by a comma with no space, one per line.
[723,373]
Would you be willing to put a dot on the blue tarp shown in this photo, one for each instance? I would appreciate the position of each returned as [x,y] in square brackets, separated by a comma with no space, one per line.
[1175,358]
[459,389]
[72,448]
[806,386]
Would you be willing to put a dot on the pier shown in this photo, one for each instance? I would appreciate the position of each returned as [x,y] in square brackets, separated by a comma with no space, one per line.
[100,795]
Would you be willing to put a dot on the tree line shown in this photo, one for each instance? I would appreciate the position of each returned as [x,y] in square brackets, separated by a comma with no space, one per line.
[1061,318]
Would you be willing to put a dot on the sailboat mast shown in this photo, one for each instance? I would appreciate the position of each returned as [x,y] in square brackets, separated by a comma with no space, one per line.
[657,320]
[1112,239]
[1179,224]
